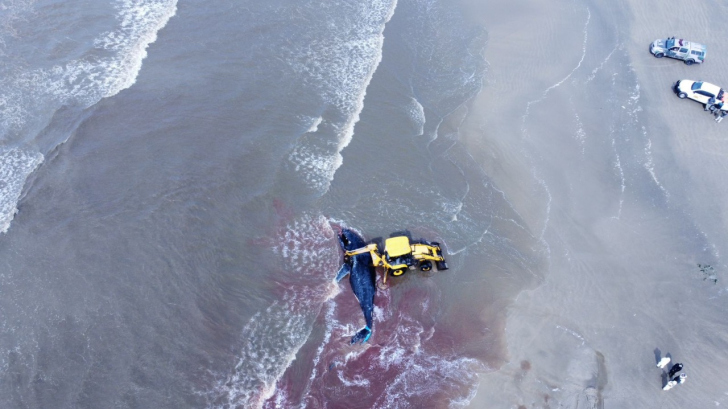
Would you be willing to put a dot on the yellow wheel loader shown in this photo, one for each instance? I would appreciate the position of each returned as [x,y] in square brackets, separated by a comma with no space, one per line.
[401,254]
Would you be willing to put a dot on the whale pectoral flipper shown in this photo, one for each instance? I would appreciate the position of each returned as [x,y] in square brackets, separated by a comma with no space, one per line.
[343,272]
[362,336]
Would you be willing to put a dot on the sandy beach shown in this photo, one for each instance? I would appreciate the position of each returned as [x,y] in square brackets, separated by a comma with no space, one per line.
[577,114]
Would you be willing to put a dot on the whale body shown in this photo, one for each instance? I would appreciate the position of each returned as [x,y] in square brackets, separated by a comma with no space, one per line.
[362,277]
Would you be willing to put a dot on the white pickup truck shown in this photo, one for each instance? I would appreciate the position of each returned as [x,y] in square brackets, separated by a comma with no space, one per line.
[687,51]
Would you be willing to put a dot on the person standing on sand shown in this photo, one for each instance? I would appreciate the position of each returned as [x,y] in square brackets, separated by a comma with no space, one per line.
[719,114]
[710,104]
[663,362]
[675,381]
[675,369]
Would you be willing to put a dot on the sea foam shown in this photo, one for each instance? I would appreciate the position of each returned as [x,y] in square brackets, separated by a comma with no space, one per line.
[33,95]
[342,69]
[15,166]
[273,337]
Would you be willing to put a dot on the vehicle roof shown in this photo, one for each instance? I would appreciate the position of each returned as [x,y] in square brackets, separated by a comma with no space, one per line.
[397,246]
[712,88]
[684,43]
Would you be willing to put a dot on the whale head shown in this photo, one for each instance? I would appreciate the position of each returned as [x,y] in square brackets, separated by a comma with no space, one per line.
[350,240]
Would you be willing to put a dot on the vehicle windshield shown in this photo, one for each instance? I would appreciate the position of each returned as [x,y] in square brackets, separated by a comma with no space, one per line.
[696,85]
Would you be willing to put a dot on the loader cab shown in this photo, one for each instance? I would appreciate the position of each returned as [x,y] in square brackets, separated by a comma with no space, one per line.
[398,253]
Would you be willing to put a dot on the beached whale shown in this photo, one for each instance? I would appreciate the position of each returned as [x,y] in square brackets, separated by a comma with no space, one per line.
[362,277]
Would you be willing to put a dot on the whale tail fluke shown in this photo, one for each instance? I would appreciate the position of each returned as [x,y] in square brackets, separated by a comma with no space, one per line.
[362,336]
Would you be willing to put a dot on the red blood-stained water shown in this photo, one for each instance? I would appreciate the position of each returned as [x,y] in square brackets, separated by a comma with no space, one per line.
[298,354]
[408,362]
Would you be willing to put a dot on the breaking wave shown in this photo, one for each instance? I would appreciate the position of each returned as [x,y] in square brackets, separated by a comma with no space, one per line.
[29,97]
[404,365]
[15,166]
[341,70]
[273,337]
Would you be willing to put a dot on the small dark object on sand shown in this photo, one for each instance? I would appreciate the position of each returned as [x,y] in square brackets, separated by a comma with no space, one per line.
[708,272]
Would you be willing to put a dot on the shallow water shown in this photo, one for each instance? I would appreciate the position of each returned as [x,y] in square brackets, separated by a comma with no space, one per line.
[180,171]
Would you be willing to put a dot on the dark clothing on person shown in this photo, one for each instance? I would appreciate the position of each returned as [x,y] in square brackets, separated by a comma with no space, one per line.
[675,369]
[710,103]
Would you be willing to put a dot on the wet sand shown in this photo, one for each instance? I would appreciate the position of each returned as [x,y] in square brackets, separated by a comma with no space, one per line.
[621,182]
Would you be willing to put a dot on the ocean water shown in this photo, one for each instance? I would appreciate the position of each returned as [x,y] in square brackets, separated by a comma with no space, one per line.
[172,175]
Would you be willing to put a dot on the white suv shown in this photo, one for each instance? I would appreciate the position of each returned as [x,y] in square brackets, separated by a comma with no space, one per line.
[700,91]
